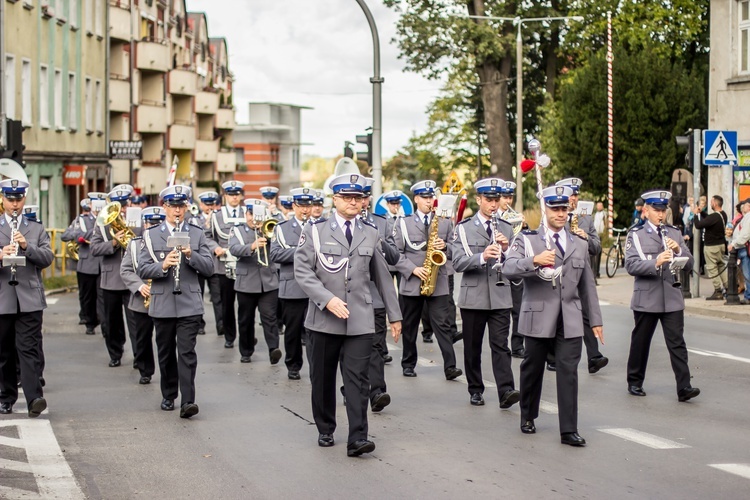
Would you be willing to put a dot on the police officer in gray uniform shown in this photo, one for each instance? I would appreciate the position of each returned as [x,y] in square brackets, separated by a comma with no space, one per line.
[115,292]
[587,231]
[485,298]
[293,299]
[649,251]
[22,301]
[558,280]
[333,264]
[207,200]
[270,195]
[218,233]
[411,238]
[140,295]
[81,230]
[176,304]
[257,283]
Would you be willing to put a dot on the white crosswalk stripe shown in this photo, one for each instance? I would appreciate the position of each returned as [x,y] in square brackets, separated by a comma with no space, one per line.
[722,355]
[644,438]
[742,470]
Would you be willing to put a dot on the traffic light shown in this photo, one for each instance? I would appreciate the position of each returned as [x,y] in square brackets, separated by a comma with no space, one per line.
[367,155]
[348,153]
[14,143]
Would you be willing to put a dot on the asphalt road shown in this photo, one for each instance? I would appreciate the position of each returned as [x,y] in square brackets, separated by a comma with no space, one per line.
[254,436]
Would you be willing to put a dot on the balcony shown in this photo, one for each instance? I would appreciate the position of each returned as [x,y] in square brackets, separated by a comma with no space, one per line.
[226,161]
[207,151]
[119,95]
[119,22]
[225,119]
[152,56]
[151,119]
[206,103]
[182,82]
[181,136]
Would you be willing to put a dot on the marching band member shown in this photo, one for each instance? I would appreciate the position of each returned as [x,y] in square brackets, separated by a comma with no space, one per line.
[648,253]
[551,310]
[411,238]
[333,264]
[176,300]
[207,200]
[476,247]
[218,233]
[316,212]
[30,212]
[22,301]
[293,299]
[516,287]
[270,195]
[114,291]
[81,231]
[140,297]
[393,200]
[587,231]
[286,206]
[257,283]
[98,201]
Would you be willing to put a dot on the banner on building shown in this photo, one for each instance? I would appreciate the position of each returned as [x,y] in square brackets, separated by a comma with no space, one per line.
[125,150]
[74,175]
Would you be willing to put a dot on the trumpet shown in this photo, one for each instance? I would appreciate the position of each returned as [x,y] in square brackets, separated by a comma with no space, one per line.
[147,300]
[194,209]
[264,228]
[574,222]
[497,266]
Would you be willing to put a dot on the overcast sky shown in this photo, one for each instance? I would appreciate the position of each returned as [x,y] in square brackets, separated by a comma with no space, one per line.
[318,53]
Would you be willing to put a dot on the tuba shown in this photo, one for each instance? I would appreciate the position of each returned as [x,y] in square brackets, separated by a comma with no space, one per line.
[432,260]
[110,216]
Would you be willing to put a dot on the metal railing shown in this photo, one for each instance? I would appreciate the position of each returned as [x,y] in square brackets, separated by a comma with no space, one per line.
[62,265]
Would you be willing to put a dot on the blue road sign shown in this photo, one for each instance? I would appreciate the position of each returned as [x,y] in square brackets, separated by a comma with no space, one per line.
[719,147]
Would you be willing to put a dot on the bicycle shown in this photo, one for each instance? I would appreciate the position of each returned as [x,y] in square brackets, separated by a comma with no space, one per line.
[616,254]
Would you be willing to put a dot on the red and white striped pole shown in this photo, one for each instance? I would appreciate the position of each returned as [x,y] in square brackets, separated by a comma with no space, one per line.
[610,126]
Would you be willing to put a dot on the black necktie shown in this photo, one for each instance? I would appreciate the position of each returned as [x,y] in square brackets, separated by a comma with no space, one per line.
[348,231]
[559,245]
[489,230]
[234,213]
[426,220]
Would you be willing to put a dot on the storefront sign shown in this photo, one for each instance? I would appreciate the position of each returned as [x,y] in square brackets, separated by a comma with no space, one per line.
[74,175]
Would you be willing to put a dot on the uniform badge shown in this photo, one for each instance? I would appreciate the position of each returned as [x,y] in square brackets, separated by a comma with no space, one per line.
[334,225]
[628,244]
[161,255]
[330,260]
[648,257]
[302,239]
[514,247]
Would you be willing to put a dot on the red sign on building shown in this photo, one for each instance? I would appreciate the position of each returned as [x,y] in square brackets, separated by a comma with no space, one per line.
[74,175]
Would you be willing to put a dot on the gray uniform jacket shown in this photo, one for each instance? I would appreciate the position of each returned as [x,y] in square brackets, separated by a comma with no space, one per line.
[283,246]
[251,276]
[387,248]
[198,220]
[101,245]
[478,288]
[165,304]
[410,236]
[219,231]
[83,226]
[586,223]
[653,291]
[342,270]
[541,303]
[28,295]
[128,272]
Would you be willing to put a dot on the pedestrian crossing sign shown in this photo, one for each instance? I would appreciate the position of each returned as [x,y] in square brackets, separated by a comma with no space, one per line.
[719,147]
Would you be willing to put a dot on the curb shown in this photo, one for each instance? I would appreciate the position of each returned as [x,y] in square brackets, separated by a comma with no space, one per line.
[720,314]
[58,291]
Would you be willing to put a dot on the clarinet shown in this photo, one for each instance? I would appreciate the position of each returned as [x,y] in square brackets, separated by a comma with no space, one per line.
[663,232]
[176,290]
[497,265]
[13,230]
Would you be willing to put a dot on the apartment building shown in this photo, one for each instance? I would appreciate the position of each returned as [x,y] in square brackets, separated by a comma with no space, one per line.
[171,88]
[55,84]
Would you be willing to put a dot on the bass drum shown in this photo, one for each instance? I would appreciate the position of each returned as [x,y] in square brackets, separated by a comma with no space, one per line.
[381,206]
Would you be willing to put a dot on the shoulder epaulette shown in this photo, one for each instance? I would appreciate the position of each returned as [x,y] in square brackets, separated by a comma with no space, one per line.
[378,216]
[195,226]
[464,221]
[283,222]
[529,231]
[368,223]
[136,238]
[153,227]
[635,228]
[319,221]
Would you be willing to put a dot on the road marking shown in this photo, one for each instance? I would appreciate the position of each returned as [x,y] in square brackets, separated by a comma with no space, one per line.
[603,303]
[487,383]
[53,476]
[394,347]
[742,470]
[547,407]
[425,362]
[722,355]
[644,438]
[52,301]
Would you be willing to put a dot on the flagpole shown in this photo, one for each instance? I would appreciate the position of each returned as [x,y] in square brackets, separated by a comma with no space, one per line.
[610,129]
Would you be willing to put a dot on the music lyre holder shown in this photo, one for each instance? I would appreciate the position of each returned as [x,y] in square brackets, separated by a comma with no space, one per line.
[178,241]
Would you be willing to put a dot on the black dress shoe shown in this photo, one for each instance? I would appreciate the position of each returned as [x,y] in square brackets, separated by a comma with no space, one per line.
[228,345]
[90,331]
[551,367]
[293,375]
[387,358]
[520,353]
[509,398]
[359,447]
[167,404]
[453,373]
[457,337]
[245,359]
[477,399]
[36,407]
[275,355]
[597,363]
[687,394]
[6,408]
[427,339]
[380,401]
[188,410]
[409,372]
[114,363]
[572,439]
[528,427]
[325,440]
[144,380]
[636,390]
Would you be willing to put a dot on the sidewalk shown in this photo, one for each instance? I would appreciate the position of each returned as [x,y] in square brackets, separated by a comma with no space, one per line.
[619,289]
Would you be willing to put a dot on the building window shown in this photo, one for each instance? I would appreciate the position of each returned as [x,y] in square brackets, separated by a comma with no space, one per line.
[59,100]
[43,96]
[72,103]
[26,93]
[744,25]
[10,87]
[89,97]
[98,105]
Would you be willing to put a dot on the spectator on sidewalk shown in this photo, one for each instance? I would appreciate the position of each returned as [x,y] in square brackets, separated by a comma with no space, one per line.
[714,244]
[740,237]
[600,224]
[637,213]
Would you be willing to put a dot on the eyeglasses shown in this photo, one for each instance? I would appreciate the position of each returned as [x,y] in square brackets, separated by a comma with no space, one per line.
[347,198]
